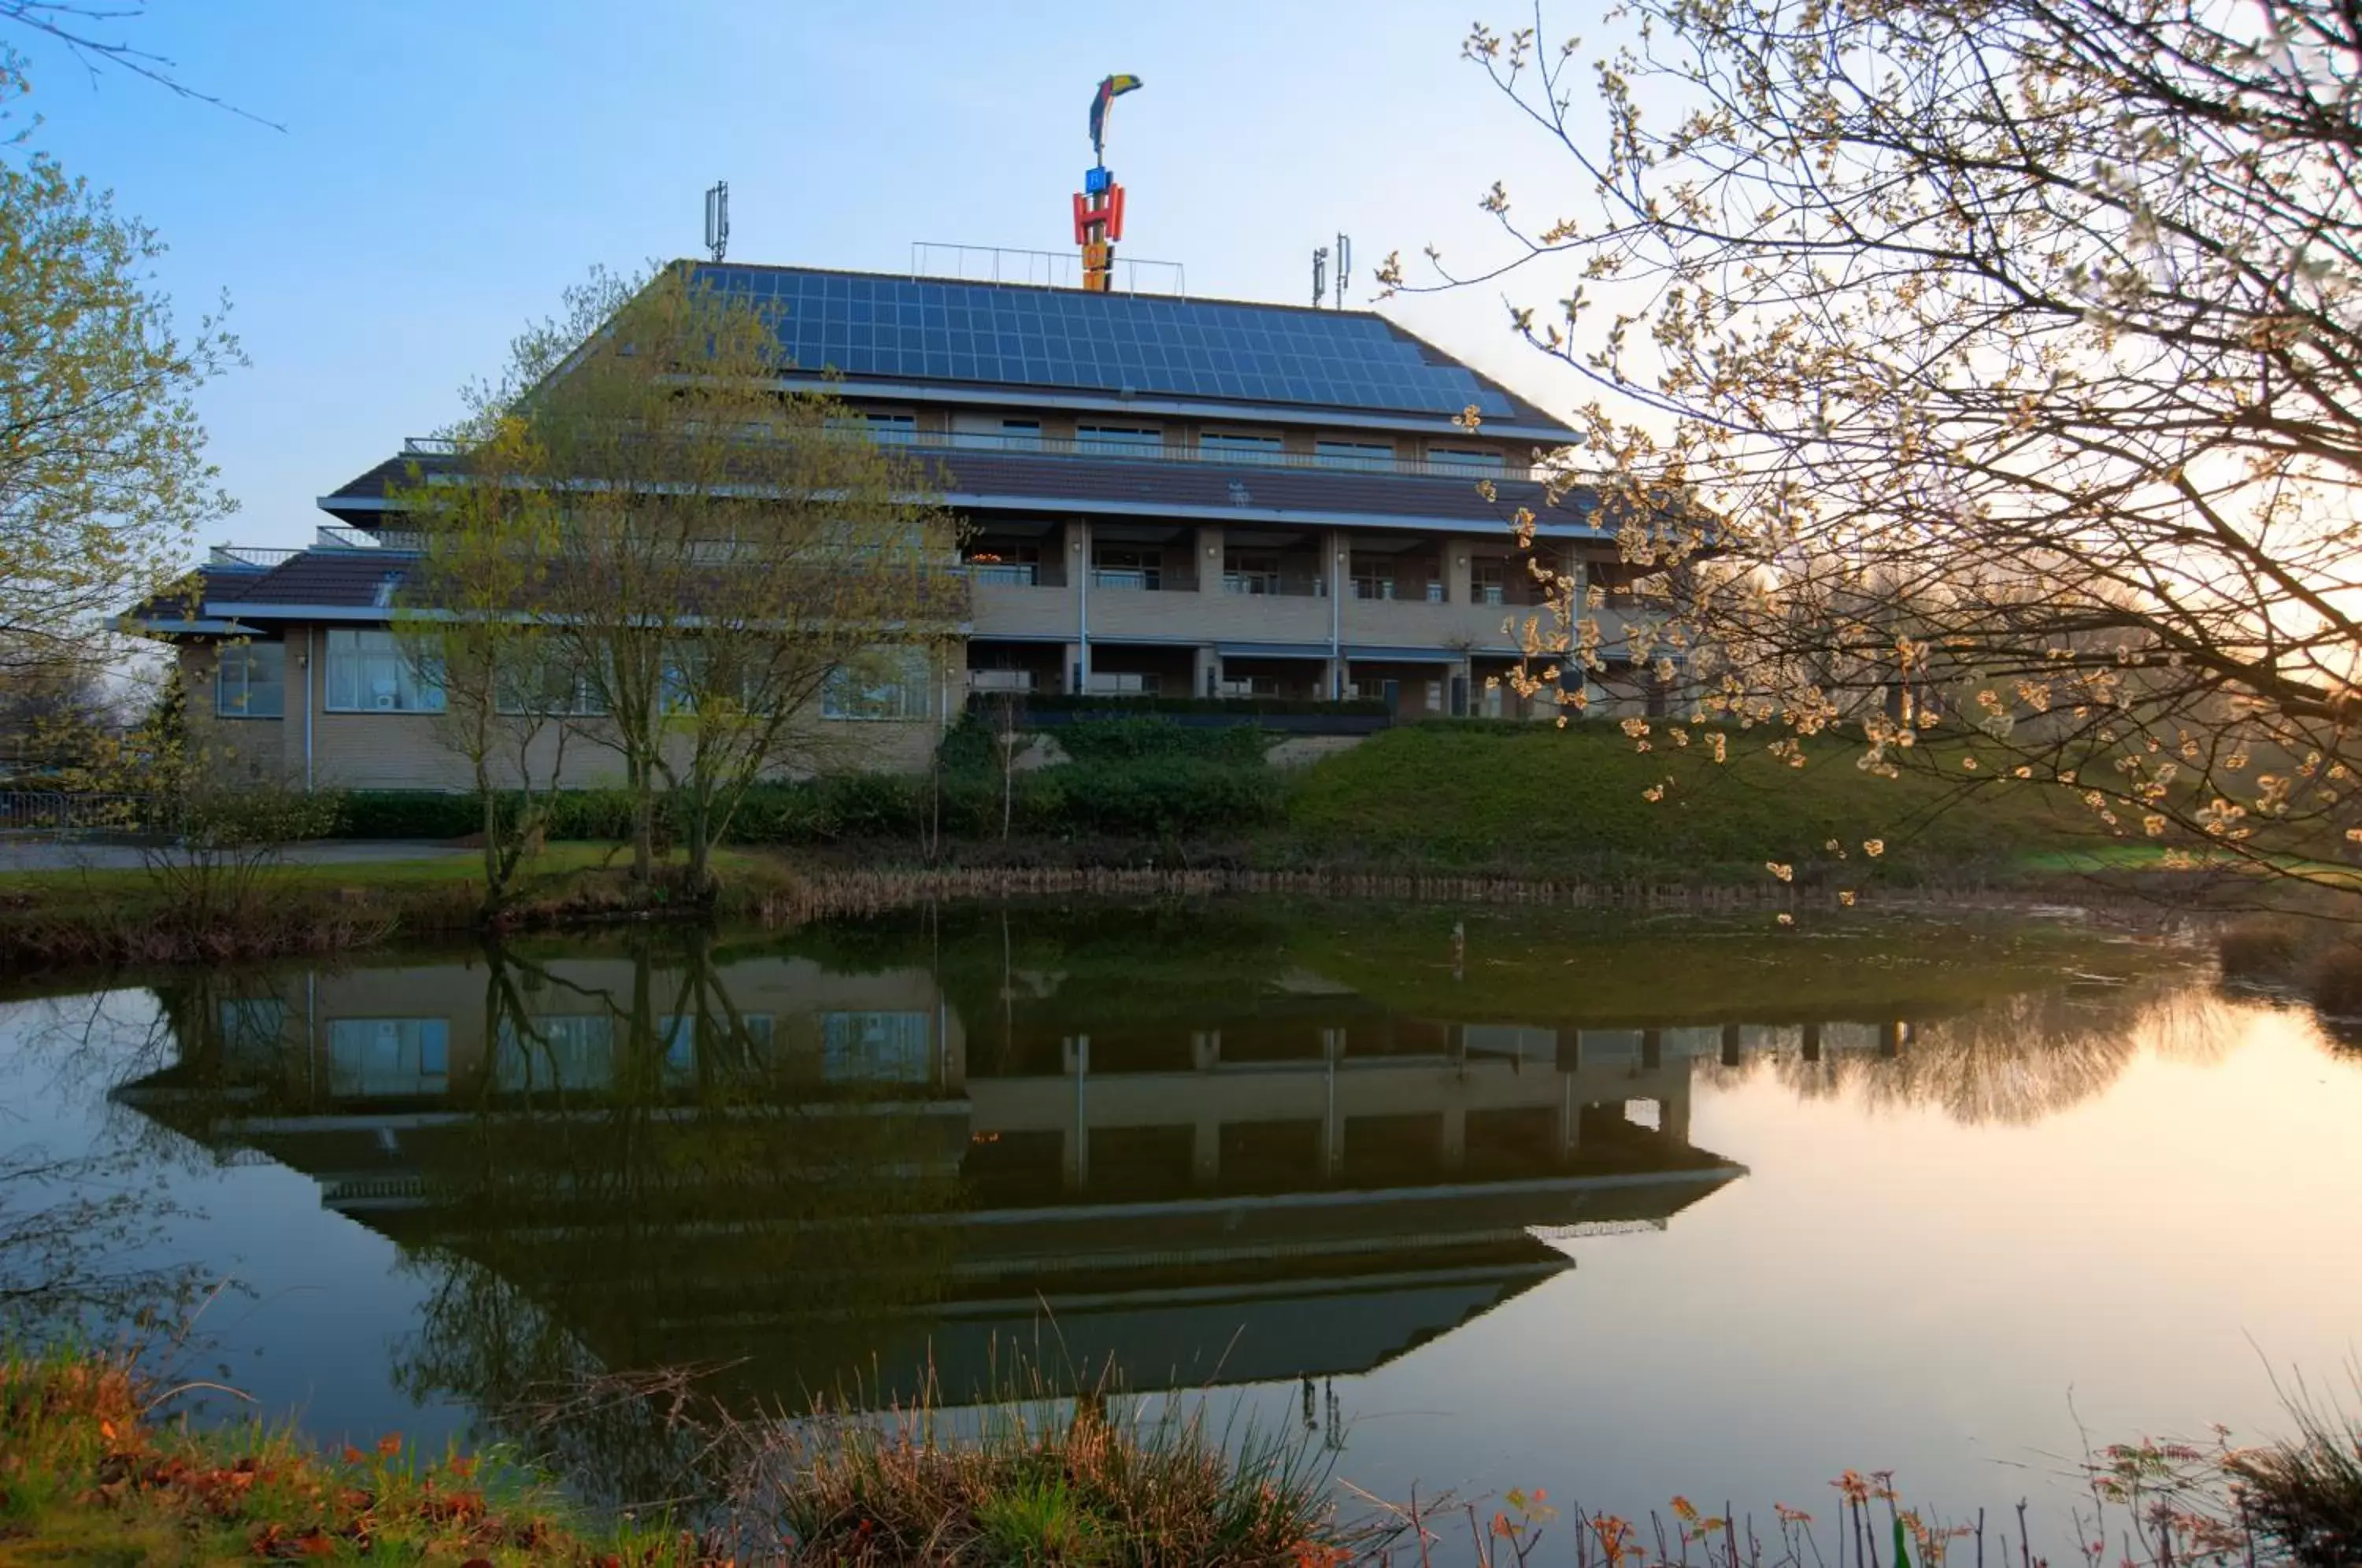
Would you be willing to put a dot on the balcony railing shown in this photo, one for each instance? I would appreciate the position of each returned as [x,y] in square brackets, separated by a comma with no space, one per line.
[1104,451]
[1144,580]
[1000,680]
[1278,584]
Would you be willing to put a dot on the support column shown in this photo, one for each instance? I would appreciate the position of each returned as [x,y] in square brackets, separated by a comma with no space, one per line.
[1812,1042]
[1340,583]
[1333,1120]
[1652,1049]
[1209,561]
[1205,670]
[1205,1050]
[1673,1112]
[1078,566]
[1074,1163]
[1454,1145]
[1569,1118]
[1731,1045]
[1206,1151]
[1890,1039]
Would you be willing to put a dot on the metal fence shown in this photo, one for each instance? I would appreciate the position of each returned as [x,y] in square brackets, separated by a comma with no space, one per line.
[63,814]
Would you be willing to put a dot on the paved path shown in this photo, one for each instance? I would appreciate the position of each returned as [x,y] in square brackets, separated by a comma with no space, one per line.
[54,855]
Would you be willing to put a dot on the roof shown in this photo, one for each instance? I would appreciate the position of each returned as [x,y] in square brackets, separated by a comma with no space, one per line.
[952,331]
[1004,481]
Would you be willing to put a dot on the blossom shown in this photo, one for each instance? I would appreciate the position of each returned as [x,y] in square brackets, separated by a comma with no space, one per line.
[1873,848]
[1786,873]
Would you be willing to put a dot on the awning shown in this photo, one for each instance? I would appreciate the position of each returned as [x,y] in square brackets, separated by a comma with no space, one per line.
[1405,655]
[1272,650]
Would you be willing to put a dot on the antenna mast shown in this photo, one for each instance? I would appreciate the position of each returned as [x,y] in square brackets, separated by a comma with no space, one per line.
[1319,276]
[717,219]
[1099,205]
[1344,265]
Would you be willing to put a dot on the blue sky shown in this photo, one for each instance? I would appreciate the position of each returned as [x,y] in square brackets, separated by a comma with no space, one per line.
[449,169]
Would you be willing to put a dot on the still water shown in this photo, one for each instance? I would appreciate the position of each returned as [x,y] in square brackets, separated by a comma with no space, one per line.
[1477,1199]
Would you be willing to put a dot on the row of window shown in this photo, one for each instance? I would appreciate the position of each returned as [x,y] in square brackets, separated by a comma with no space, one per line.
[386,1058]
[1025,435]
[374,672]
[1253,572]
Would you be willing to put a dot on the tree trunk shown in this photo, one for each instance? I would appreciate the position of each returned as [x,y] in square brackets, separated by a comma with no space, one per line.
[643,820]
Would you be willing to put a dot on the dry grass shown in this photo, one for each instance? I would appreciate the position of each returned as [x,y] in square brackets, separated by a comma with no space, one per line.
[2305,1493]
[1089,1481]
[86,1476]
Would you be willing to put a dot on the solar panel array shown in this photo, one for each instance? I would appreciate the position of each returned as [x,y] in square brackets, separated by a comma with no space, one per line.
[939,329]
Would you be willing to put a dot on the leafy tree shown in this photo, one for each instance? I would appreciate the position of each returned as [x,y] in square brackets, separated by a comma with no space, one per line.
[1994,365]
[727,548]
[467,611]
[103,481]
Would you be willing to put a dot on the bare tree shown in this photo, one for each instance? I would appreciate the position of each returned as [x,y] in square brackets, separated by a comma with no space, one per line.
[2008,351]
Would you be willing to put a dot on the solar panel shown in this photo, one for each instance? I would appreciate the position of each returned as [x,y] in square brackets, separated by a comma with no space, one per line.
[928,328]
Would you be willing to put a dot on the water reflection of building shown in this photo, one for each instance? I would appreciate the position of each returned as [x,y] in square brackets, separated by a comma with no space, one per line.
[698,1162]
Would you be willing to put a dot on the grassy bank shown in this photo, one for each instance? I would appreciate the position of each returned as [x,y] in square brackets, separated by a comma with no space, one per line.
[87,1476]
[82,917]
[1528,794]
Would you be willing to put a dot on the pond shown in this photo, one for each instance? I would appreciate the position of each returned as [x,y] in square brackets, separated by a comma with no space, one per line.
[1477,1198]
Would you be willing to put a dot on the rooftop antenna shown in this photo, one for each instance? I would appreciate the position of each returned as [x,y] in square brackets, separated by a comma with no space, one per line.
[1344,265]
[1099,205]
[1319,276]
[717,219]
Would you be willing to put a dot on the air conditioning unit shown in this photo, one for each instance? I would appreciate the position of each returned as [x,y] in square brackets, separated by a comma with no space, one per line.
[384,702]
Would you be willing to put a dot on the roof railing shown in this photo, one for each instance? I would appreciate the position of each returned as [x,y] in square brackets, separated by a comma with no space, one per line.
[1043,268]
[257,557]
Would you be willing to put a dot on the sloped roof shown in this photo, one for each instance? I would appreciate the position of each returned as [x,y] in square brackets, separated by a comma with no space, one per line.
[950,331]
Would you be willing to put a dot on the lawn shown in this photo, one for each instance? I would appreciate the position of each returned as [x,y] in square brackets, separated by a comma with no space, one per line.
[1530,794]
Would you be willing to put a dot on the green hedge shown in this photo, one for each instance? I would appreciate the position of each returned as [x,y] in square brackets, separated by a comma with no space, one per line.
[1133,777]
[1054,702]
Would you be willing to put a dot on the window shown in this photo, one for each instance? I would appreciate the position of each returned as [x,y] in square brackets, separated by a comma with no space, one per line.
[1117,440]
[1463,459]
[1021,434]
[250,1030]
[389,1055]
[1122,683]
[1250,571]
[549,685]
[251,682]
[888,685]
[557,1051]
[1488,580]
[680,1035]
[1225,446]
[877,1047]
[886,429]
[1374,577]
[1007,566]
[1118,567]
[372,672]
[1363,455]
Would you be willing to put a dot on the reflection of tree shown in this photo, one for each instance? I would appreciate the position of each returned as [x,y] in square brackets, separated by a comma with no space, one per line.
[700,1196]
[2017,1060]
[84,1215]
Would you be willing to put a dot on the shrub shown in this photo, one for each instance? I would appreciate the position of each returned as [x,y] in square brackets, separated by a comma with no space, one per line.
[1131,737]
[406,813]
[2261,948]
[2332,979]
[1369,707]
